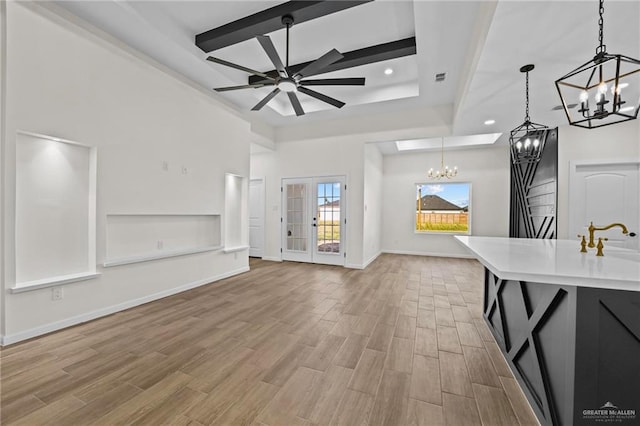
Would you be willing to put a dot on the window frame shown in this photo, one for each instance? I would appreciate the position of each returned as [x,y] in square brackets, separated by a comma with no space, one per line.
[443,232]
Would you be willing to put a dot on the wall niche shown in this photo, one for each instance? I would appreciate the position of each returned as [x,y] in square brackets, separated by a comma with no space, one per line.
[236,227]
[133,238]
[55,225]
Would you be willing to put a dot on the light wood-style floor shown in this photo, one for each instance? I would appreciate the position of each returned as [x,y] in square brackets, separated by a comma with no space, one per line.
[400,343]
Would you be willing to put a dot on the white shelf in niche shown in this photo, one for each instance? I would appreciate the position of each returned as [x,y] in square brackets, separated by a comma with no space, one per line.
[163,255]
[234,249]
[52,282]
[134,238]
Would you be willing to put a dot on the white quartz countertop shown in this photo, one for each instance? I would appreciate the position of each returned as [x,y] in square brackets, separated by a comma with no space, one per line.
[556,262]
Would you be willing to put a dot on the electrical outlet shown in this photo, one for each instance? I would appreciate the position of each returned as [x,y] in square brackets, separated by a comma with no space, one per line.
[165,166]
[57,293]
[184,170]
[160,244]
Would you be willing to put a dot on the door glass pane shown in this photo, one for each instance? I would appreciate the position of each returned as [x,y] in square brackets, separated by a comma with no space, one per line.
[328,217]
[296,218]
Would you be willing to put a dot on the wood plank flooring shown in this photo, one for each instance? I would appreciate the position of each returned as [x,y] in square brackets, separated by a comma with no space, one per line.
[400,343]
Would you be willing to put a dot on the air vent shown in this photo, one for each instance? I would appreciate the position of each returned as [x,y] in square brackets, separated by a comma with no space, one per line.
[441,76]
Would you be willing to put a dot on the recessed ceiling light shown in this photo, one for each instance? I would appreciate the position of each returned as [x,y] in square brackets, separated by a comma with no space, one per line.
[388,71]
[490,122]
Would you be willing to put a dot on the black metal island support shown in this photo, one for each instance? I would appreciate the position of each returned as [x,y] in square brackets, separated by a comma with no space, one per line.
[568,324]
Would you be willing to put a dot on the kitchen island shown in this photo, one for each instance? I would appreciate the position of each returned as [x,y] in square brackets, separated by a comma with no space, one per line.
[568,324]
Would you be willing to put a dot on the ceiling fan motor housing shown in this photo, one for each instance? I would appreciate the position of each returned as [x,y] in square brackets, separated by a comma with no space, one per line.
[287,85]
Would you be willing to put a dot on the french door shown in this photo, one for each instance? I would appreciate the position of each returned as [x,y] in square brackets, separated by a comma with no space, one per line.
[313,222]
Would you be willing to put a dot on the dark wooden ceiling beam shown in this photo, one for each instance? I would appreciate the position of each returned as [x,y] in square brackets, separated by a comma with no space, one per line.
[268,21]
[355,58]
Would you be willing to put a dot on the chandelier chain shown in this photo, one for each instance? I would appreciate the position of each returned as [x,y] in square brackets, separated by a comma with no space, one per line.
[526,116]
[601,25]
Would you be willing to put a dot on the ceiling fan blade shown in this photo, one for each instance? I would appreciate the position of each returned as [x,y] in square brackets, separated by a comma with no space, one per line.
[319,64]
[238,67]
[334,82]
[295,103]
[265,100]
[245,86]
[324,98]
[272,53]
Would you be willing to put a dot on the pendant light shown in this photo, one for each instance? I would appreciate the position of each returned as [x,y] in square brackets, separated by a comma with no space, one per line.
[527,140]
[443,171]
[606,88]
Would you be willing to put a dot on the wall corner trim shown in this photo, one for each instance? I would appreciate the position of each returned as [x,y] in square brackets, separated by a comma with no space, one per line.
[78,319]
[371,259]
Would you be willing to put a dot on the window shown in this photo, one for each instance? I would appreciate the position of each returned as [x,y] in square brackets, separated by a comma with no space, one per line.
[443,208]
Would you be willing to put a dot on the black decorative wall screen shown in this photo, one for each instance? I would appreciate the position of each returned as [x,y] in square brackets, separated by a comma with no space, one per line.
[534,188]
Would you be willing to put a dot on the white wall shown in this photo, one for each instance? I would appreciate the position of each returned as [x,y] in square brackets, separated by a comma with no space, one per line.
[3,85]
[488,171]
[616,142]
[373,201]
[321,157]
[64,81]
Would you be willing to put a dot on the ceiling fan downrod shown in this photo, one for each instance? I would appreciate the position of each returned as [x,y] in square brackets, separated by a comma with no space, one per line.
[287,20]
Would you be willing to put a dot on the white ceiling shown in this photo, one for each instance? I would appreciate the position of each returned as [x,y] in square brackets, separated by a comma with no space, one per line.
[479,44]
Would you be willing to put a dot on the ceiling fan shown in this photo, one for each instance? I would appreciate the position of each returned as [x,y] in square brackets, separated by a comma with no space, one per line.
[291,83]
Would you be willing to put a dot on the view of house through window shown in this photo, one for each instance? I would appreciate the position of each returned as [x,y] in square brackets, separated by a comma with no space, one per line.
[443,207]
[328,237]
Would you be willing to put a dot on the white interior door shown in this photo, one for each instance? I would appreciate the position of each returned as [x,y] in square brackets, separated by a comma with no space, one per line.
[605,193]
[313,223]
[256,217]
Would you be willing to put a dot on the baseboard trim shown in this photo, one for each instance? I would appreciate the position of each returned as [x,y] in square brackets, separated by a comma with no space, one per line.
[353,265]
[272,259]
[79,319]
[430,254]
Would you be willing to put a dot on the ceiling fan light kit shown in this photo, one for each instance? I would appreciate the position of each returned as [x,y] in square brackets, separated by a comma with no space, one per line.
[606,88]
[290,83]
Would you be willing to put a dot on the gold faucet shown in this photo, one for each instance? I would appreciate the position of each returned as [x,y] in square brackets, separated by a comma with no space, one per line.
[583,244]
[592,230]
[600,246]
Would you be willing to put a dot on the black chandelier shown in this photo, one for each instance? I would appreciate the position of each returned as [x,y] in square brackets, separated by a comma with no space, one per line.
[527,140]
[598,87]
